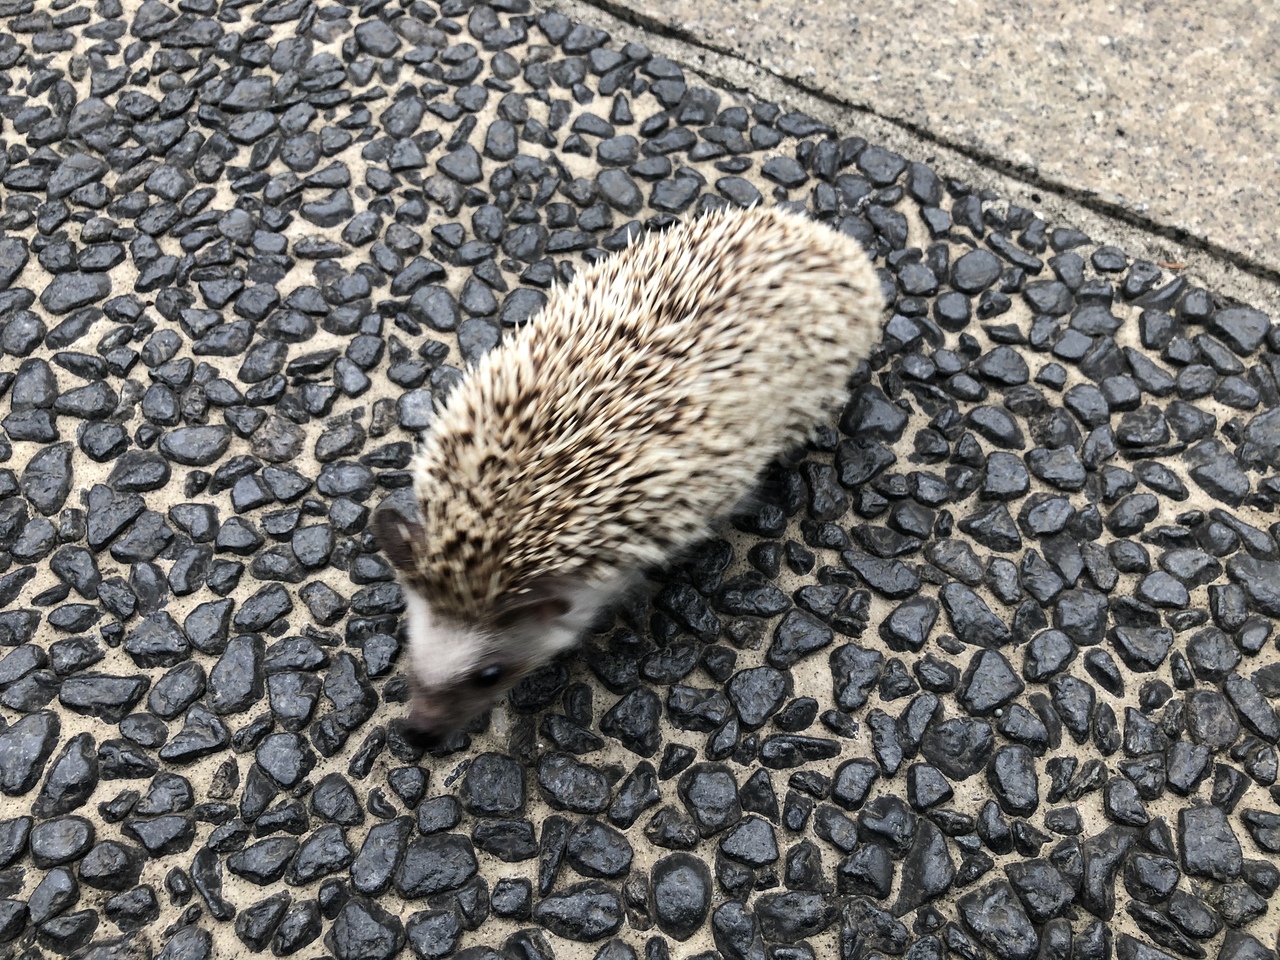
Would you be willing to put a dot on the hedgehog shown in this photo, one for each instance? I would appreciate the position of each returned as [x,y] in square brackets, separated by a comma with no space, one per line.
[609,434]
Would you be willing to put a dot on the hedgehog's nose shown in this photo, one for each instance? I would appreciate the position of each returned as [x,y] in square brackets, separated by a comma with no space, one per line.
[423,735]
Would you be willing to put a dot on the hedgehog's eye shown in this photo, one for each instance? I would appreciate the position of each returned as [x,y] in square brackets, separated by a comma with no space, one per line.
[488,676]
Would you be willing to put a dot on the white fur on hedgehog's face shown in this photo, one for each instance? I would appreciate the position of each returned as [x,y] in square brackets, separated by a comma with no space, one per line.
[461,668]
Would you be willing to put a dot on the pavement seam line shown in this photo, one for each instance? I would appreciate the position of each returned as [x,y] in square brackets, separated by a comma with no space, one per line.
[1088,199]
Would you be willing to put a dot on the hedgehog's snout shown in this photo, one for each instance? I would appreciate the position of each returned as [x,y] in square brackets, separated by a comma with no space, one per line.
[423,734]
[431,721]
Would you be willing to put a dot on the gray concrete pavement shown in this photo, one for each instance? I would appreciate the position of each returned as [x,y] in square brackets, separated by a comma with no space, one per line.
[1163,113]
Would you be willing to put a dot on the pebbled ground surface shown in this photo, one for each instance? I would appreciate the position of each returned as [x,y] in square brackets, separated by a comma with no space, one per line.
[991,673]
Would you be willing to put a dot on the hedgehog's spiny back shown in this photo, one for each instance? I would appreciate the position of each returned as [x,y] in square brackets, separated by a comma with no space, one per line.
[641,403]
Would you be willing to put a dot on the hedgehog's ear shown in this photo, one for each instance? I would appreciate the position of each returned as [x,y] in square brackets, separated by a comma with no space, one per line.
[542,602]
[397,535]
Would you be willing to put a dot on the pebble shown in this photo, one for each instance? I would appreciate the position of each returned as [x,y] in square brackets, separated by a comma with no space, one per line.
[856,672]
[362,929]
[794,915]
[1210,719]
[1241,328]
[959,747]
[633,721]
[988,683]
[25,747]
[493,786]
[435,864]
[584,912]
[571,785]
[1042,889]
[757,694]
[975,271]
[971,618]
[868,871]
[996,917]
[710,795]
[1208,846]
[928,870]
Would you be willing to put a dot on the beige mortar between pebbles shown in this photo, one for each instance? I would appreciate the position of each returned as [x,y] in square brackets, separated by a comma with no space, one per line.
[811,676]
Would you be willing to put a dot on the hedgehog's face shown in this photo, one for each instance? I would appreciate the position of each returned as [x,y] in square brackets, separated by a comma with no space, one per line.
[460,667]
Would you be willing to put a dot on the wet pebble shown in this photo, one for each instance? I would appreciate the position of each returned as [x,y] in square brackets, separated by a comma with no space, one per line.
[584,911]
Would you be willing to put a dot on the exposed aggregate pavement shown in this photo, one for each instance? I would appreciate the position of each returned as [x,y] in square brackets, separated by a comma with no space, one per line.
[990,673]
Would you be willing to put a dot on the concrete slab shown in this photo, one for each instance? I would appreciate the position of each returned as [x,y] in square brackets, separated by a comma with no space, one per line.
[1163,113]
